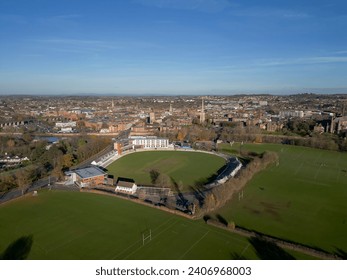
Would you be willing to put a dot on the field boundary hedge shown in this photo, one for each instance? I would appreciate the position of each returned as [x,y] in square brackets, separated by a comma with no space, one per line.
[138,201]
[279,242]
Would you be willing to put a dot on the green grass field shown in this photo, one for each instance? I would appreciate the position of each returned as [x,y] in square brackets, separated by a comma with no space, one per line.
[187,167]
[74,225]
[303,199]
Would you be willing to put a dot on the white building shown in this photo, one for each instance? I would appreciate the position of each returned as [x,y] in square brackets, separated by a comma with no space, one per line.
[66,129]
[126,187]
[149,142]
[286,114]
[65,124]
[104,130]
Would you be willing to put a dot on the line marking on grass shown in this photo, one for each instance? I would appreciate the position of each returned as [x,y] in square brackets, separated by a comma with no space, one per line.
[40,248]
[195,243]
[320,166]
[311,182]
[67,241]
[124,250]
[337,168]
[139,241]
[220,232]
[299,168]
[299,156]
[165,229]
[244,250]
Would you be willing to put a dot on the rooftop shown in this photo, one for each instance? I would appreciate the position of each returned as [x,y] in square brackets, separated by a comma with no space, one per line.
[125,182]
[89,172]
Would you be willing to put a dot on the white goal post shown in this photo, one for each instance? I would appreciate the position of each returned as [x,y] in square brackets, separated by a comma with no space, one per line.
[240,195]
[146,235]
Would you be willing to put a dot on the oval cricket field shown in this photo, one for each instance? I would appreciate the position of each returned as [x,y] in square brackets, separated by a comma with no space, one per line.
[185,168]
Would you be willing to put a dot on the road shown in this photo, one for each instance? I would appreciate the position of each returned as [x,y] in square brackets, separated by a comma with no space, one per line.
[17,192]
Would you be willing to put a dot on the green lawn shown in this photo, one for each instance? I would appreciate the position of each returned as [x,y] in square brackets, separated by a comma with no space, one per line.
[68,225]
[74,225]
[303,199]
[187,167]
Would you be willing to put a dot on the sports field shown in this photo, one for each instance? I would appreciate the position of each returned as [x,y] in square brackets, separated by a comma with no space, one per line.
[74,225]
[185,167]
[303,199]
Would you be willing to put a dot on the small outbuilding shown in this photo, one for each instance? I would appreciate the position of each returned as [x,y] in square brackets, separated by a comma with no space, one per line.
[127,186]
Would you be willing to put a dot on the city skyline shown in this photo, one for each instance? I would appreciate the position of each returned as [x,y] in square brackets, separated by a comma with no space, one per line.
[162,47]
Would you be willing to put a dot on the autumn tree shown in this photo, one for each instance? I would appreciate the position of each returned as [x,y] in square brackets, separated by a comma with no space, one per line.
[67,160]
[22,177]
[11,143]
[164,181]
[154,174]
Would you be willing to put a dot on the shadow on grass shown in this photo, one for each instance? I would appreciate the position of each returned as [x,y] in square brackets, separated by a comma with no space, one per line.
[222,220]
[235,256]
[267,250]
[182,200]
[341,254]
[213,177]
[19,249]
[206,218]
[199,195]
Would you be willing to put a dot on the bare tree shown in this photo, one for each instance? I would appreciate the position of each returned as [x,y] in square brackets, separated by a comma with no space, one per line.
[23,180]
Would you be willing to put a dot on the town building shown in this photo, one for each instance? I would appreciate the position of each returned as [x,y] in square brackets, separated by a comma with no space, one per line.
[86,177]
[149,142]
[65,124]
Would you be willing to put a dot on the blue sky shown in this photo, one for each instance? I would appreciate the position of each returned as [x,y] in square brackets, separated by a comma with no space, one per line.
[172,46]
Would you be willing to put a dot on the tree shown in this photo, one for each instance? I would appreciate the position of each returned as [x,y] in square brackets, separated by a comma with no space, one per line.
[154,174]
[27,137]
[22,179]
[67,160]
[181,135]
[7,182]
[164,181]
[10,143]
[57,171]
[209,202]
[171,203]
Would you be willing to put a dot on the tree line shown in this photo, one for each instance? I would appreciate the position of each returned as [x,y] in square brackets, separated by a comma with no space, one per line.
[45,159]
[218,196]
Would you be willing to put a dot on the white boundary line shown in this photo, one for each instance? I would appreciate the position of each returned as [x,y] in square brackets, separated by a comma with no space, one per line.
[195,243]
[165,229]
[244,250]
[139,241]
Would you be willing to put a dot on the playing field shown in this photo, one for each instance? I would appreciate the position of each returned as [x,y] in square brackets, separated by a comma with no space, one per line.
[303,199]
[185,167]
[74,225]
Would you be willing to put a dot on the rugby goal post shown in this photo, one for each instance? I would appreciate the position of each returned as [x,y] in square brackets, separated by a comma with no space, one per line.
[146,235]
[240,195]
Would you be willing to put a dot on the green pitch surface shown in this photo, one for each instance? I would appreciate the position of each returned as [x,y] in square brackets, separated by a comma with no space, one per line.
[187,167]
[73,225]
[303,199]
